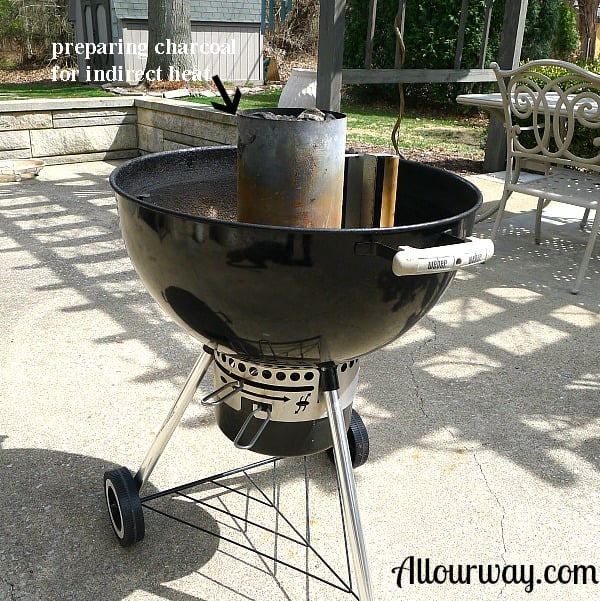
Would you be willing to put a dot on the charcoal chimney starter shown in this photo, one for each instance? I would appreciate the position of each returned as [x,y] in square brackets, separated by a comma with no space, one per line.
[291,167]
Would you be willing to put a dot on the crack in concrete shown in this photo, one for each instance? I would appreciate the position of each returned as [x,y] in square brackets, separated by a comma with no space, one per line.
[502,516]
[11,589]
[411,367]
[497,500]
[421,403]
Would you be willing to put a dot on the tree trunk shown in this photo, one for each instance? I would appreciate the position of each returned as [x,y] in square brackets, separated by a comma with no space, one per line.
[169,40]
[586,23]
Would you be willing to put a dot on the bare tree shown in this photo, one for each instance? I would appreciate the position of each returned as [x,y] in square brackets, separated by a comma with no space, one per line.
[169,39]
[39,23]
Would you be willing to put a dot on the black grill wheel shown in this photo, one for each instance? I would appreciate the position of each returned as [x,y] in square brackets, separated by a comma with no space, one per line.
[358,441]
[124,506]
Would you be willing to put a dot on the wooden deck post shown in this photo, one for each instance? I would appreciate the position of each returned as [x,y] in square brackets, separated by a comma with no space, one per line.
[509,56]
[370,33]
[460,42]
[332,19]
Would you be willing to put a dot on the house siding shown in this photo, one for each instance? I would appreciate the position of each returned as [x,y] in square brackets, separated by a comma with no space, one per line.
[243,64]
[233,22]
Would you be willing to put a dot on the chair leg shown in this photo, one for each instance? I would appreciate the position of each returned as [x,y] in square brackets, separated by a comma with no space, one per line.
[587,254]
[513,171]
[501,206]
[584,219]
[538,220]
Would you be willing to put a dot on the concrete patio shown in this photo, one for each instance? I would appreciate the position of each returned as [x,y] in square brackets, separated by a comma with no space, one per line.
[484,423]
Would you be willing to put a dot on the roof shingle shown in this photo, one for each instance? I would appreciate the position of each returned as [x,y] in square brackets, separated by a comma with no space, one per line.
[222,11]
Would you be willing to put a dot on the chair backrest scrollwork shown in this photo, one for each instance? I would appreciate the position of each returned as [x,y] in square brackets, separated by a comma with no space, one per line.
[552,113]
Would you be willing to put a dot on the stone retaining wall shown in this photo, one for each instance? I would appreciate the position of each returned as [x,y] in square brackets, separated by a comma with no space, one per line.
[173,124]
[92,129]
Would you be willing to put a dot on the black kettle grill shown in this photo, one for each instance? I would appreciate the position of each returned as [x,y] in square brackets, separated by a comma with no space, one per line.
[283,313]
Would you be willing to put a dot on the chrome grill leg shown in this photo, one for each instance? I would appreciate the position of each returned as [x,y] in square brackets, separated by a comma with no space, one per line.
[174,418]
[347,484]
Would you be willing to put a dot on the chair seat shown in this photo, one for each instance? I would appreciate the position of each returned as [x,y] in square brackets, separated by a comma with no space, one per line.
[552,119]
[564,185]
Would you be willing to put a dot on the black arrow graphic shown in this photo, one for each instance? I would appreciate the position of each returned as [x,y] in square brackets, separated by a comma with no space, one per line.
[230,106]
[284,398]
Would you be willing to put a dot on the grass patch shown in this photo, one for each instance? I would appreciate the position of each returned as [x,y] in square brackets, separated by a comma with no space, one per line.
[29,91]
[269,98]
[451,134]
[372,126]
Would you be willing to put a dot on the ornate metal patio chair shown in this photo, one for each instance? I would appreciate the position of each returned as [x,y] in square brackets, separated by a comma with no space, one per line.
[552,120]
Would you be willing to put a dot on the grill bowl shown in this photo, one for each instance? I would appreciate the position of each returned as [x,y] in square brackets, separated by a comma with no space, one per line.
[264,292]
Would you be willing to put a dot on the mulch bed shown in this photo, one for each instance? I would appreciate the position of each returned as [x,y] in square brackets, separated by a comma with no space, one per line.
[26,75]
[436,158]
[450,162]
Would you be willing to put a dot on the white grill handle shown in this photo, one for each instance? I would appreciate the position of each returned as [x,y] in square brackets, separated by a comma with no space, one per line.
[438,259]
